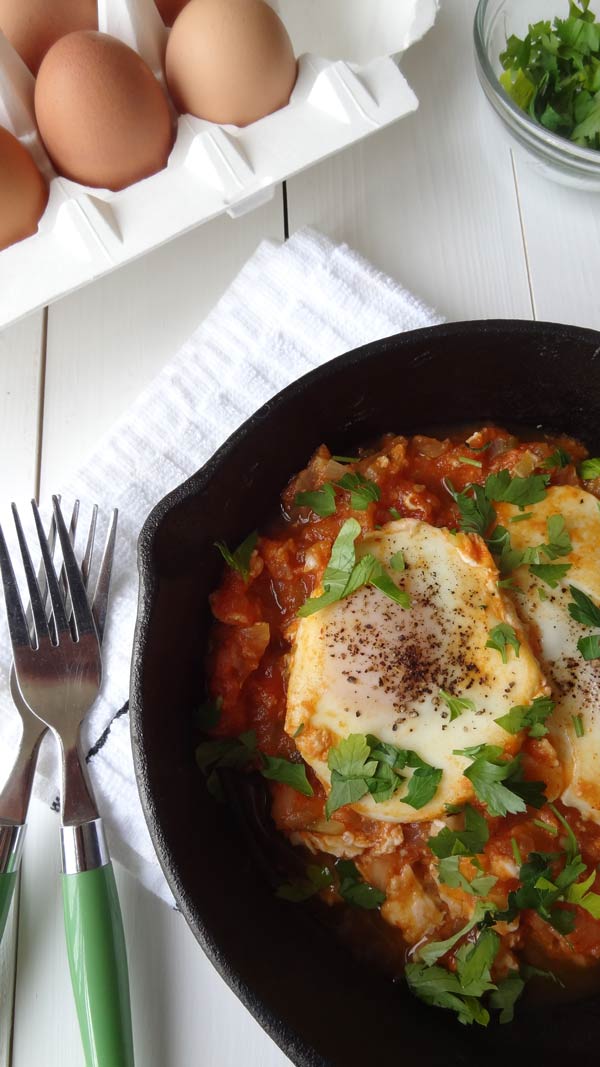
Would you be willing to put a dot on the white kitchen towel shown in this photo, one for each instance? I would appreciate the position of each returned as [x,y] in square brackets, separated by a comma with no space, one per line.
[291,308]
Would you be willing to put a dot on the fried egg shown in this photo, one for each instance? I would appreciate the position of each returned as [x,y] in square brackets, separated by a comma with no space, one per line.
[575,682]
[367,665]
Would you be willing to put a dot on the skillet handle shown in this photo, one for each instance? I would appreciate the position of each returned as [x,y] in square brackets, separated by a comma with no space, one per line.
[96,947]
[11,848]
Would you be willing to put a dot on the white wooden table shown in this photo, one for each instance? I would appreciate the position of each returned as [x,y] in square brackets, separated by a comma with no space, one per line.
[440,202]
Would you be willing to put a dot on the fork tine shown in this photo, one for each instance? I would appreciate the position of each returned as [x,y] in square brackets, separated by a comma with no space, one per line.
[82,615]
[58,608]
[17,623]
[35,597]
[89,548]
[100,601]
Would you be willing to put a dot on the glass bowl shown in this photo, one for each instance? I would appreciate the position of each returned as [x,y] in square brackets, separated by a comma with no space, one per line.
[557,158]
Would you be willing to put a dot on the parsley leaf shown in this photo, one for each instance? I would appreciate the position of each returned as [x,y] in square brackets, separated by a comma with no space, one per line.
[397,562]
[362,490]
[589,646]
[502,487]
[467,842]
[301,889]
[321,501]
[451,874]
[559,458]
[385,584]
[422,787]
[361,765]
[277,769]
[473,963]
[208,714]
[476,512]
[234,753]
[240,559]
[559,542]
[505,996]
[354,890]
[442,989]
[550,573]
[582,609]
[433,950]
[578,726]
[344,575]
[531,717]
[498,783]
[501,636]
[590,468]
[456,704]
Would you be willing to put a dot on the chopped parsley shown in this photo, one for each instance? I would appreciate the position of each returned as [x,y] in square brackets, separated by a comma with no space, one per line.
[456,704]
[346,459]
[397,562]
[521,492]
[321,501]
[362,764]
[238,753]
[301,889]
[469,841]
[501,637]
[240,559]
[578,726]
[505,996]
[434,950]
[362,490]
[589,646]
[531,717]
[553,74]
[282,770]
[582,609]
[590,468]
[450,874]
[395,513]
[476,512]
[469,459]
[354,890]
[498,783]
[559,458]
[550,573]
[207,716]
[344,575]
[350,886]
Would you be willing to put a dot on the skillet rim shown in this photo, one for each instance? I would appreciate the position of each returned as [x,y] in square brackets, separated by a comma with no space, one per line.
[289,1040]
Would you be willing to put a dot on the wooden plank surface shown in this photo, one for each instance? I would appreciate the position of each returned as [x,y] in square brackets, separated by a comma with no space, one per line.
[431,200]
[106,342]
[439,202]
[21,377]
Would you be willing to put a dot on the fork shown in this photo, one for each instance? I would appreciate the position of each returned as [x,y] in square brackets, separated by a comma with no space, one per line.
[58,668]
[16,794]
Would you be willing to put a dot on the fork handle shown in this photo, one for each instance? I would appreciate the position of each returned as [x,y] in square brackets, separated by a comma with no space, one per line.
[11,848]
[96,947]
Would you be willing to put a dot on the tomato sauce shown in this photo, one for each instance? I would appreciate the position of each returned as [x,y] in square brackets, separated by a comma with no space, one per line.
[254,626]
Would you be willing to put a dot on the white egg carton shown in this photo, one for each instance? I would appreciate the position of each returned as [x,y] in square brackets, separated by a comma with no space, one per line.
[85,232]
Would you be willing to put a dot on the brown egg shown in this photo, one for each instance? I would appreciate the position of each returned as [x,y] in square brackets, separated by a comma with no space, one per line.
[33,26]
[23,191]
[169,9]
[102,115]
[230,61]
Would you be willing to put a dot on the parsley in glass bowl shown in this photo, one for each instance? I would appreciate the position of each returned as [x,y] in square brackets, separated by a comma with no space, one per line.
[542,114]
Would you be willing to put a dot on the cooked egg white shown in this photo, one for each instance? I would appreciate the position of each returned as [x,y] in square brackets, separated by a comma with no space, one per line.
[575,682]
[366,665]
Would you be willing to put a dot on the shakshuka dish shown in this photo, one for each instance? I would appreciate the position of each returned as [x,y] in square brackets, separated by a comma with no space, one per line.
[409,655]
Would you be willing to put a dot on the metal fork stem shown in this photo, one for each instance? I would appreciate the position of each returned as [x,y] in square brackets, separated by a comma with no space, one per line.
[78,804]
[15,795]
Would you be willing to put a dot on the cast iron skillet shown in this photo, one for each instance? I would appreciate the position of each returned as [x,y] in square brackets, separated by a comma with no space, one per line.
[316,1002]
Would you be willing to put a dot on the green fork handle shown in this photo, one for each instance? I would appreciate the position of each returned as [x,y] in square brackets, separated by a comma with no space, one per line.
[98,962]
[11,845]
[8,881]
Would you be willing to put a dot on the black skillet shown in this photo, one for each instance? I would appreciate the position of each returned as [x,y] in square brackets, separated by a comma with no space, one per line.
[314,1000]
